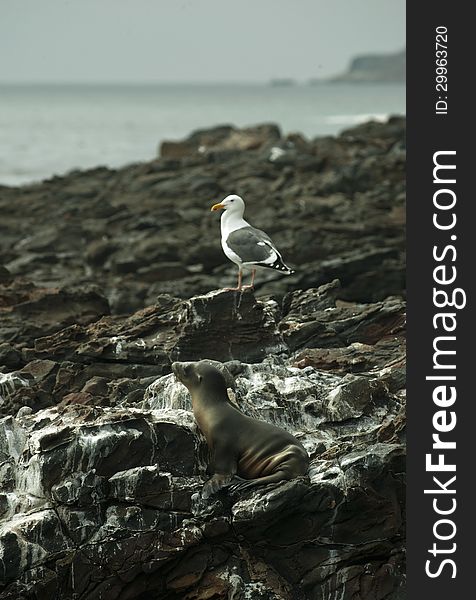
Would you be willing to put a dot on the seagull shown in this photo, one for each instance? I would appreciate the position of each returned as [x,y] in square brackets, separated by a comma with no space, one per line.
[245,245]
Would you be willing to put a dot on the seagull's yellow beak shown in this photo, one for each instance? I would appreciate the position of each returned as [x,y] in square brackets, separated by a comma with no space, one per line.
[217,206]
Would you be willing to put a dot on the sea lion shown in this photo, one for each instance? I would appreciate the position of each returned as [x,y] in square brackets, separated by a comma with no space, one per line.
[242,449]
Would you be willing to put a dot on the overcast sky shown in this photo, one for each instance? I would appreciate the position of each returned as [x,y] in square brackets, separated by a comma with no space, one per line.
[191,40]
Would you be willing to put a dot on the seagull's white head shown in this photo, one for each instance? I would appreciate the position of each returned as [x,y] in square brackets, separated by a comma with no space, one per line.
[232,203]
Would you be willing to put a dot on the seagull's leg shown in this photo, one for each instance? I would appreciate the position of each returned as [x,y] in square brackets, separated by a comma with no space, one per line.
[252,284]
[240,278]
[239,286]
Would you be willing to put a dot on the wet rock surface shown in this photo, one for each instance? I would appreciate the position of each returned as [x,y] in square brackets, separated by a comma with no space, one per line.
[101,463]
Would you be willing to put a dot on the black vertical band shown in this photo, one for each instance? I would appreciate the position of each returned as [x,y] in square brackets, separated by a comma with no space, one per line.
[441,268]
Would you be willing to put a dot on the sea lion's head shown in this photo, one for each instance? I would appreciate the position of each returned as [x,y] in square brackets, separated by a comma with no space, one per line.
[200,375]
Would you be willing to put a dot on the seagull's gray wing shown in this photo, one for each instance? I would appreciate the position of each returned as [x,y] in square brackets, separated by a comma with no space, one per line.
[252,245]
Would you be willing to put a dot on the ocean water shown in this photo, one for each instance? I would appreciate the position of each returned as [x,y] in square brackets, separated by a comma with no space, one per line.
[48,130]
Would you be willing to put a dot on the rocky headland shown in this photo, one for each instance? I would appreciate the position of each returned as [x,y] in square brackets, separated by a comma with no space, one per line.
[375,68]
[107,277]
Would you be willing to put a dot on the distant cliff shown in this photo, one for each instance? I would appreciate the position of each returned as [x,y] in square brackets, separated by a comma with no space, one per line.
[376,67]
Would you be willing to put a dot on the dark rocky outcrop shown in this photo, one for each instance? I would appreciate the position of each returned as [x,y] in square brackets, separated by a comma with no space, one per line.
[100,486]
[222,138]
[333,205]
[101,462]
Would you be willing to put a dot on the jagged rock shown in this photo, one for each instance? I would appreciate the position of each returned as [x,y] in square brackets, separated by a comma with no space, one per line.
[355,357]
[10,357]
[144,462]
[222,138]
[218,325]
[334,205]
[150,486]
[102,464]
[145,467]
[27,311]
[226,326]
[123,481]
[97,386]
[303,306]
[340,323]
[5,275]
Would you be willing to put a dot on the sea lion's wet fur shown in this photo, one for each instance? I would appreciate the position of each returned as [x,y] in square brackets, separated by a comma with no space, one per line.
[241,446]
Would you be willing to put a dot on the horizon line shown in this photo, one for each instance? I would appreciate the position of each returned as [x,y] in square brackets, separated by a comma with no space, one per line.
[281,82]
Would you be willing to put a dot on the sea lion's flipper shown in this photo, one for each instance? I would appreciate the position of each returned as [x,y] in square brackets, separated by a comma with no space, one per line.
[223,465]
[246,484]
[215,483]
